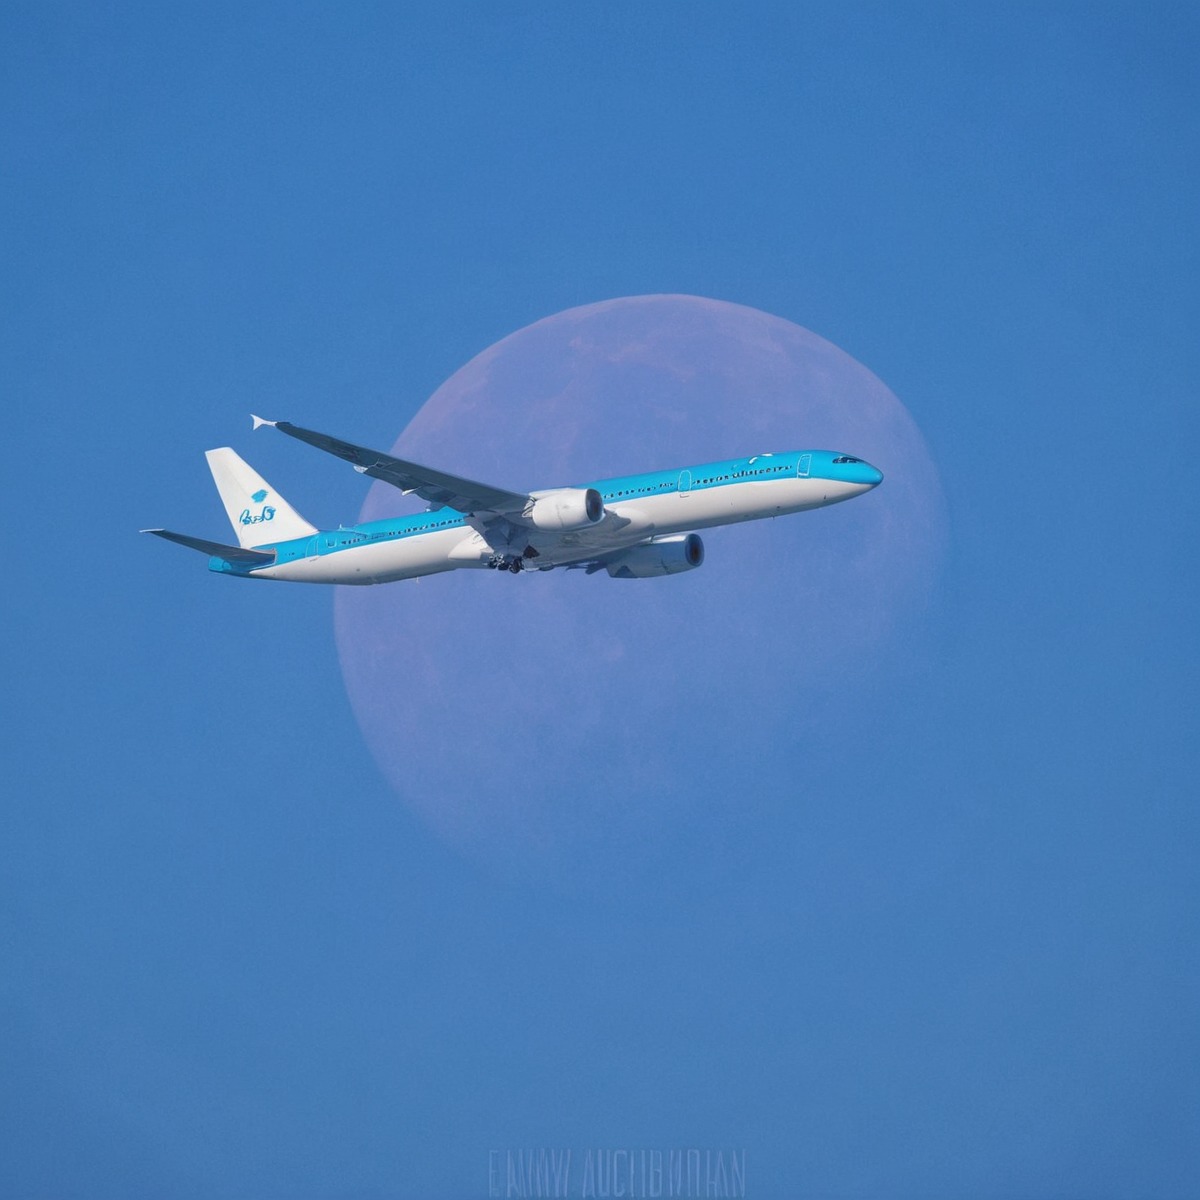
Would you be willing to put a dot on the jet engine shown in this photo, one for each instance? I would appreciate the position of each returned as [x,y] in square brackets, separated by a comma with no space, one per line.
[566,508]
[662,556]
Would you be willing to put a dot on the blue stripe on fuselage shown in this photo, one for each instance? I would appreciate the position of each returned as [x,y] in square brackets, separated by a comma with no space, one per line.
[762,467]
[330,541]
[821,464]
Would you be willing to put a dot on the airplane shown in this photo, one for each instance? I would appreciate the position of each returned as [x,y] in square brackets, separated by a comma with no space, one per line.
[633,527]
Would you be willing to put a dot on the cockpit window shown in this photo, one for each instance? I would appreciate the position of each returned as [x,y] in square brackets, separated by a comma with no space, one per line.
[845,458]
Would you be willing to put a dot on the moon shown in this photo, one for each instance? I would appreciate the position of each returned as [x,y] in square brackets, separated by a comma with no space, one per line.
[542,722]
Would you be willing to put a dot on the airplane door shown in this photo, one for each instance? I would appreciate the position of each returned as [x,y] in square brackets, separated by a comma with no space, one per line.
[685,483]
[314,548]
[803,466]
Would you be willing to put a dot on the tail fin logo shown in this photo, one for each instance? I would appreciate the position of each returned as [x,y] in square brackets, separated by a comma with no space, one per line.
[255,509]
[266,514]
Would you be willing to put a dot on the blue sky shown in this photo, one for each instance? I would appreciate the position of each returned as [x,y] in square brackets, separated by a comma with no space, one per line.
[234,964]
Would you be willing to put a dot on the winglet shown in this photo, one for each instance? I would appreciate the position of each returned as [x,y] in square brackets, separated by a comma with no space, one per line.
[259,422]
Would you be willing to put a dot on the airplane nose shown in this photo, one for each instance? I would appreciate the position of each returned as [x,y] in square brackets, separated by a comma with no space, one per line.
[863,472]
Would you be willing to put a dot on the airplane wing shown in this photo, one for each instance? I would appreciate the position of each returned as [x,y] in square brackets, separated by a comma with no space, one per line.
[437,487]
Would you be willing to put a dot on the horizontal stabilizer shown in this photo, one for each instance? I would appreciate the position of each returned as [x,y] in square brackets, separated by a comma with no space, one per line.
[237,554]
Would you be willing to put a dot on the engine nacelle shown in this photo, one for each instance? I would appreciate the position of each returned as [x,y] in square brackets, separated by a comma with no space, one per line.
[662,556]
[566,508]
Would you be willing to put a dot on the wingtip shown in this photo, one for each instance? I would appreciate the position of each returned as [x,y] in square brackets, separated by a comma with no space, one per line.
[259,422]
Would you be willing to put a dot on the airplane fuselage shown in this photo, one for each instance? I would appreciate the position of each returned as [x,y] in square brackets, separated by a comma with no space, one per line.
[636,508]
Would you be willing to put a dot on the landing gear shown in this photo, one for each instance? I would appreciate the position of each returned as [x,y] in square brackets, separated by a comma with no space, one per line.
[506,562]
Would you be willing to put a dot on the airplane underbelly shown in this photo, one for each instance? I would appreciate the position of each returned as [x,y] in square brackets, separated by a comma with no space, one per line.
[709,507]
[383,562]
